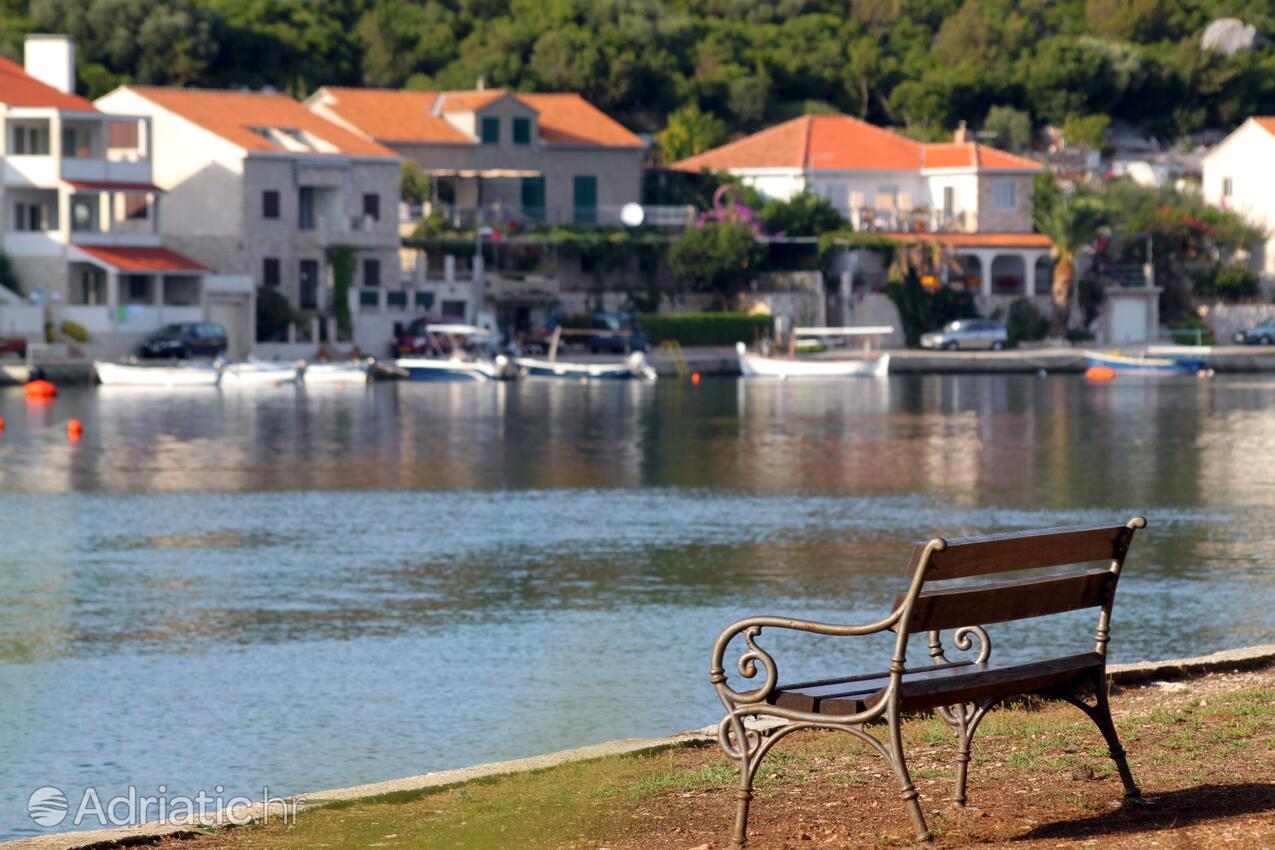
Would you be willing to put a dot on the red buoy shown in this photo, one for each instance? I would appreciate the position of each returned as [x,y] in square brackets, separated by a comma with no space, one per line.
[695,378]
[74,428]
[40,389]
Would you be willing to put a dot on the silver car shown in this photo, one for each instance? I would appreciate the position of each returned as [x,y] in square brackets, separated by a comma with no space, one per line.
[967,333]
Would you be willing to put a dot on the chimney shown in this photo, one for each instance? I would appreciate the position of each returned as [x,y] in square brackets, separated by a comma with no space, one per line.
[51,60]
[481,82]
[959,136]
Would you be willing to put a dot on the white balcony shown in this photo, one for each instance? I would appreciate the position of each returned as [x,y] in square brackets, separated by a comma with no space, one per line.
[103,170]
[38,170]
[115,238]
[36,243]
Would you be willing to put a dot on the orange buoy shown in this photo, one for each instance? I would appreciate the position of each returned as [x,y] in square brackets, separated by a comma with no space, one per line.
[40,389]
[74,429]
[695,378]
[1,423]
[1100,373]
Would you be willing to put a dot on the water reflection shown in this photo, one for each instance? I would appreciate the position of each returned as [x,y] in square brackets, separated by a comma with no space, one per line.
[375,565]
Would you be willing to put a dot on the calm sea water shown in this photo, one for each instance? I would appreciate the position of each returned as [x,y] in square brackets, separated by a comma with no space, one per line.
[306,589]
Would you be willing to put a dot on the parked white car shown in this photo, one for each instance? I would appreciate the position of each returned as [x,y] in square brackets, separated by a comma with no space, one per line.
[967,333]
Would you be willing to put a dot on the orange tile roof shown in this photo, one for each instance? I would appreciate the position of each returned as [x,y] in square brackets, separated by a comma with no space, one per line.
[842,143]
[133,259]
[392,115]
[232,115]
[1266,122]
[18,88]
[976,240]
[112,186]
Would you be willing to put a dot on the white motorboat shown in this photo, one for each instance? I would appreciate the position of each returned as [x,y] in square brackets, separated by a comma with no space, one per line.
[634,367]
[256,373]
[756,366]
[352,372]
[130,375]
[455,369]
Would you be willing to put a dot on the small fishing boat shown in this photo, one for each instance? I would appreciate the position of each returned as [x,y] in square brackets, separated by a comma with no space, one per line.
[456,352]
[255,373]
[1141,364]
[633,368]
[352,372]
[756,366]
[456,369]
[130,375]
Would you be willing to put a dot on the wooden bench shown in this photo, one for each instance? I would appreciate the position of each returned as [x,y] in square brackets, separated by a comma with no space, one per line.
[961,691]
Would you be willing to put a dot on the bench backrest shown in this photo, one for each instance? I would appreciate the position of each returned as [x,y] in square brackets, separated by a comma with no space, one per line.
[1018,599]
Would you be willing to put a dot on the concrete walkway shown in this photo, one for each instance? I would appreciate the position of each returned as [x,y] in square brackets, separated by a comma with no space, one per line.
[1219,662]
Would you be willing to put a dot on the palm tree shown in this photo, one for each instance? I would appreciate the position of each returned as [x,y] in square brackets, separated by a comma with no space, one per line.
[1071,222]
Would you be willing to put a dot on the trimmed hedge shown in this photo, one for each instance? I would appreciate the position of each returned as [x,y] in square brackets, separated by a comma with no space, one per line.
[705,328]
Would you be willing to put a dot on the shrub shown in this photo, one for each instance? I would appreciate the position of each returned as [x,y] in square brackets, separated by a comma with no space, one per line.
[274,313]
[1025,322]
[74,331]
[705,328]
[1187,331]
[1226,281]
[922,310]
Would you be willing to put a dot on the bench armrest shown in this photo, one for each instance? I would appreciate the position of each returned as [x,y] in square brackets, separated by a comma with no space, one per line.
[751,627]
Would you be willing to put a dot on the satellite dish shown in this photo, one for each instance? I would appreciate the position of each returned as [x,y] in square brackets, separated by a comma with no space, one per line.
[632,215]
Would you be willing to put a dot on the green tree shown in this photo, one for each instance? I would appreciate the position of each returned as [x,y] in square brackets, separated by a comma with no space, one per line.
[1012,127]
[1072,223]
[804,214]
[718,257]
[1086,131]
[689,132]
[415,182]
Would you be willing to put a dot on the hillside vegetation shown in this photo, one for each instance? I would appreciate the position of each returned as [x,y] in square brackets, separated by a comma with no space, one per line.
[723,67]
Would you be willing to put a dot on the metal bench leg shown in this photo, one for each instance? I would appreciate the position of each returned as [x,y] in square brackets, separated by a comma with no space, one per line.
[964,720]
[1100,714]
[900,766]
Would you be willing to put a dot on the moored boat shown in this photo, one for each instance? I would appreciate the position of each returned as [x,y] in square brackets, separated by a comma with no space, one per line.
[352,372]
[1144,365]
[128,375]
[456,369]
[633,367]
[258,374]
[756,366]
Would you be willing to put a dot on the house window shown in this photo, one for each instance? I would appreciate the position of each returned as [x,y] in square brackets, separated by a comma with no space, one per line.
[123,135]
[949,201]
[453,309]
[584,199]
[309,279]
[270,275]
[270,204]
[30,217]
[1005,194]
[138,288]
[31,141]
[136,207]
[372,206]
[425,300]
[522,131]
[1227,186]
[77,143]
[305,208]
[491,131]
[82,217]
[371,272]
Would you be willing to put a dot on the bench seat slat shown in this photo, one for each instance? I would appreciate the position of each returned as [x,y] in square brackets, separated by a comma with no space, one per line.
[949,685]
[1027,550]
[976,605]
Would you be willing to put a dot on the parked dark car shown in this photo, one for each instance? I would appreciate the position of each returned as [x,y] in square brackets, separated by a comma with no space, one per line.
[14,345]
[618,333]
[187,340]
[1263,334]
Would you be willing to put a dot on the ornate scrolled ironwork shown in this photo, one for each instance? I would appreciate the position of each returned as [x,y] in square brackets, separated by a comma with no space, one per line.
[961,640]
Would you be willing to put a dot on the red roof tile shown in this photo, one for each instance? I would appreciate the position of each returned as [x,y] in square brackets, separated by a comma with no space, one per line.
[131,259]
[108,186]
[1266,122]
[18,88]
[842,143]
[976,240]
[236,116]
[392,115]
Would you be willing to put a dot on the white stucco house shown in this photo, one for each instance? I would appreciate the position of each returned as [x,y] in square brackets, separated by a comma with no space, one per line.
[975,199]
[258,185]
[1238,175]
[81,214]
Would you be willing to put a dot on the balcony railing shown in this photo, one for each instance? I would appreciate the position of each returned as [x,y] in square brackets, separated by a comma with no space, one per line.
[916,220]
[509,216]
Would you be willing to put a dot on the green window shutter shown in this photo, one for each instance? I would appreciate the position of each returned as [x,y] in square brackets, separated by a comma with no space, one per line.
[491,131]
[584,199]
[522,131]
[533,197]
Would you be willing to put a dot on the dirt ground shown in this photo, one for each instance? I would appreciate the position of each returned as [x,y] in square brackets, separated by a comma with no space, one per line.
[1203,751]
